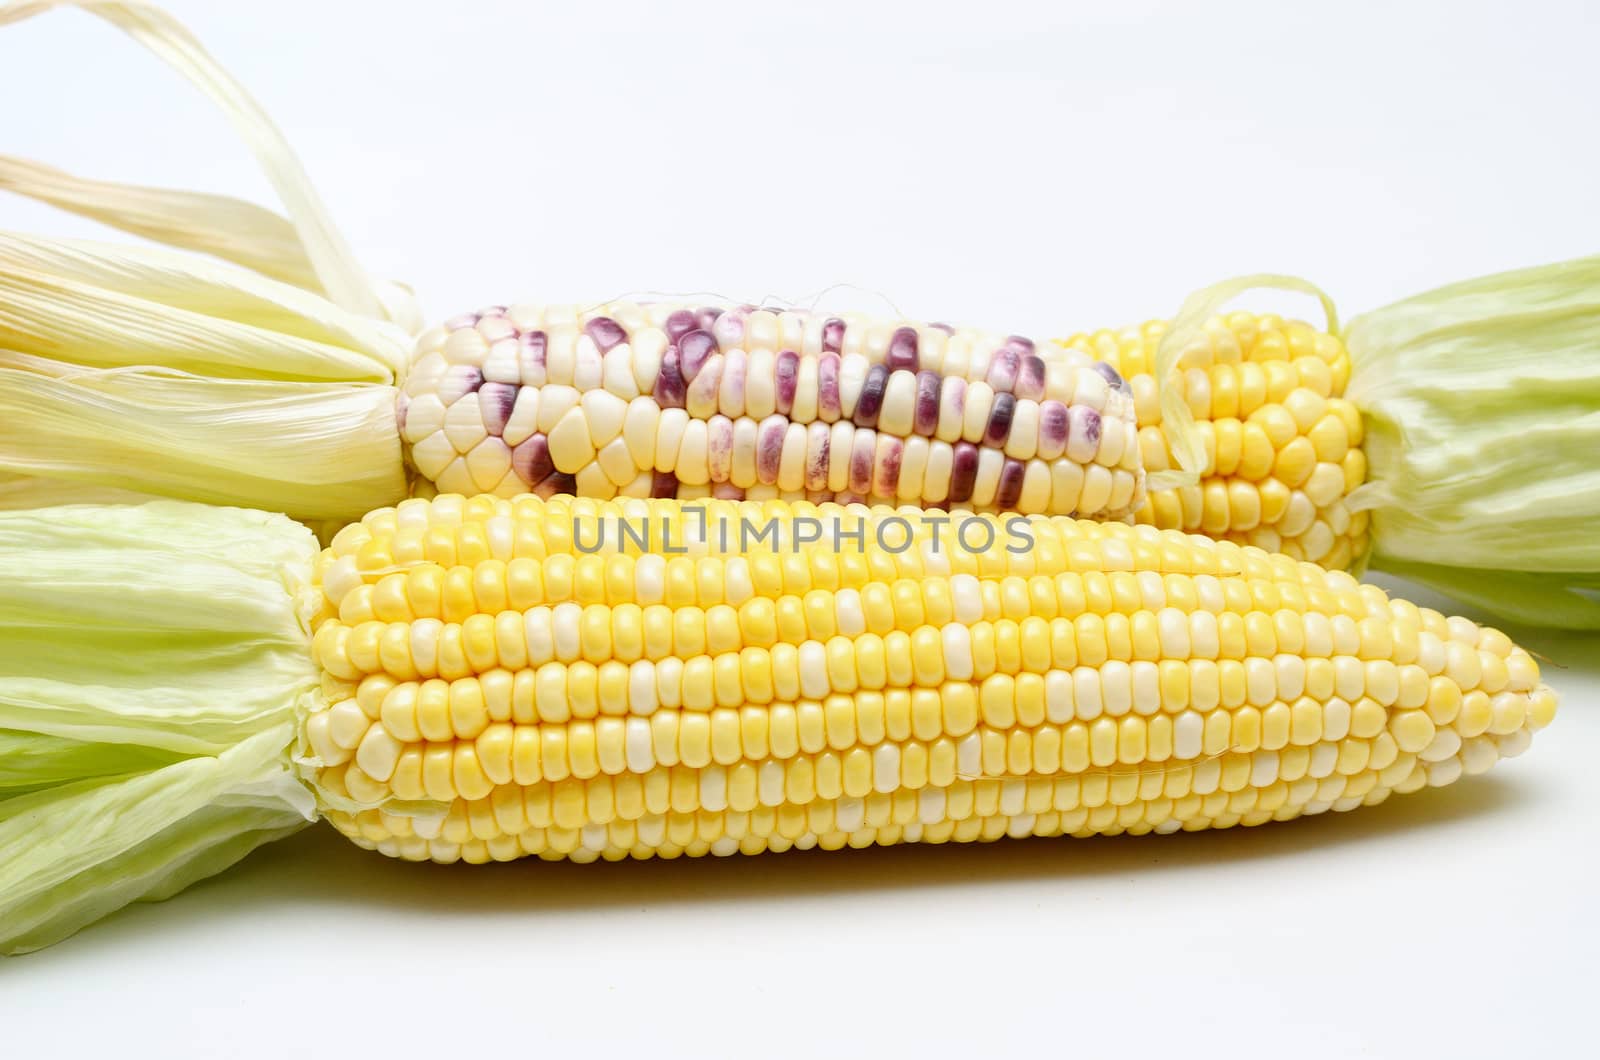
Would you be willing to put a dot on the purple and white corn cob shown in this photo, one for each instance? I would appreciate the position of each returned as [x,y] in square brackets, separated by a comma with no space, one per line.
[657,399]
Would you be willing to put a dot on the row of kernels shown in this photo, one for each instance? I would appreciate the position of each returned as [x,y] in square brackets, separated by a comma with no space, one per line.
[1265,652]
[802,784]
[864,822]
[996,731]
[889,590]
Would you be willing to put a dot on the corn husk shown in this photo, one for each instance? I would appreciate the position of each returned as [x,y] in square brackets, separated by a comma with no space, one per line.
[153,663]
[251,361]
[1482,402]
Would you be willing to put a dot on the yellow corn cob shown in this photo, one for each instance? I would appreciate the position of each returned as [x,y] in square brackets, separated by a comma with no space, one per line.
[493,689]
[672,400]
[1283,447]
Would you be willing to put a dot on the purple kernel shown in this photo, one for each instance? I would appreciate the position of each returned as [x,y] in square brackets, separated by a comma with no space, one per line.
[953,396]
[1020,343]
[769,448]
[719,448]
[871,401]
[787,375]
[1030,378]
[903,350]
[832,335]
[1083,436]
[727,491]
[402,406]
[457,381]
[704,318]
[679,324]
[1119,384]
[492,311]
[828,386]
[926,417]
[734,364]
[963,472]
[861,462]
[671,388]
[534,344]
[818,444]
[531,460]
[1010,490]
[693,349]
[999,428]
[889,469]
[465,320]
[1003,368]
[663,484]
[496,400]
[556,482]
[946,328]
[1053,423]
[605,332]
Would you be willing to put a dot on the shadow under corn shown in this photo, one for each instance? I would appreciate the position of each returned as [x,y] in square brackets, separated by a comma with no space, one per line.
[319,866]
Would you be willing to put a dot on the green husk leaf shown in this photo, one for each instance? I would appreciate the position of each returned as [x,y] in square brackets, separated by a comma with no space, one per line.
[1482,402]
[1530,598]
[154,662]
[31,760]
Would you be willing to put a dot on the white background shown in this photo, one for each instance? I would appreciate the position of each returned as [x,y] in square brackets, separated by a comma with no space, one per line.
[1034,167]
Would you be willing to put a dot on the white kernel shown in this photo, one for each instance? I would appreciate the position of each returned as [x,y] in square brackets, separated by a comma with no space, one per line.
[967,597]
[564,619]
[1116,687]
[850,617]
[969,757]
[957,641]
[1013,796]
[1146,687]
[1445,743]
[1263,768]
[1086,692]
[1204,640]
[1173,626]
[669,681]
[1188,731]
[642,687]
[769,783]
[650,579]
[713,788]
[1058,702]
[425,634]
[886,768]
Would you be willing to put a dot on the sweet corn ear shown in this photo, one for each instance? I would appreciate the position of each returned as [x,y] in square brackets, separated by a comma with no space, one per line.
[664,400]
[501,683]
